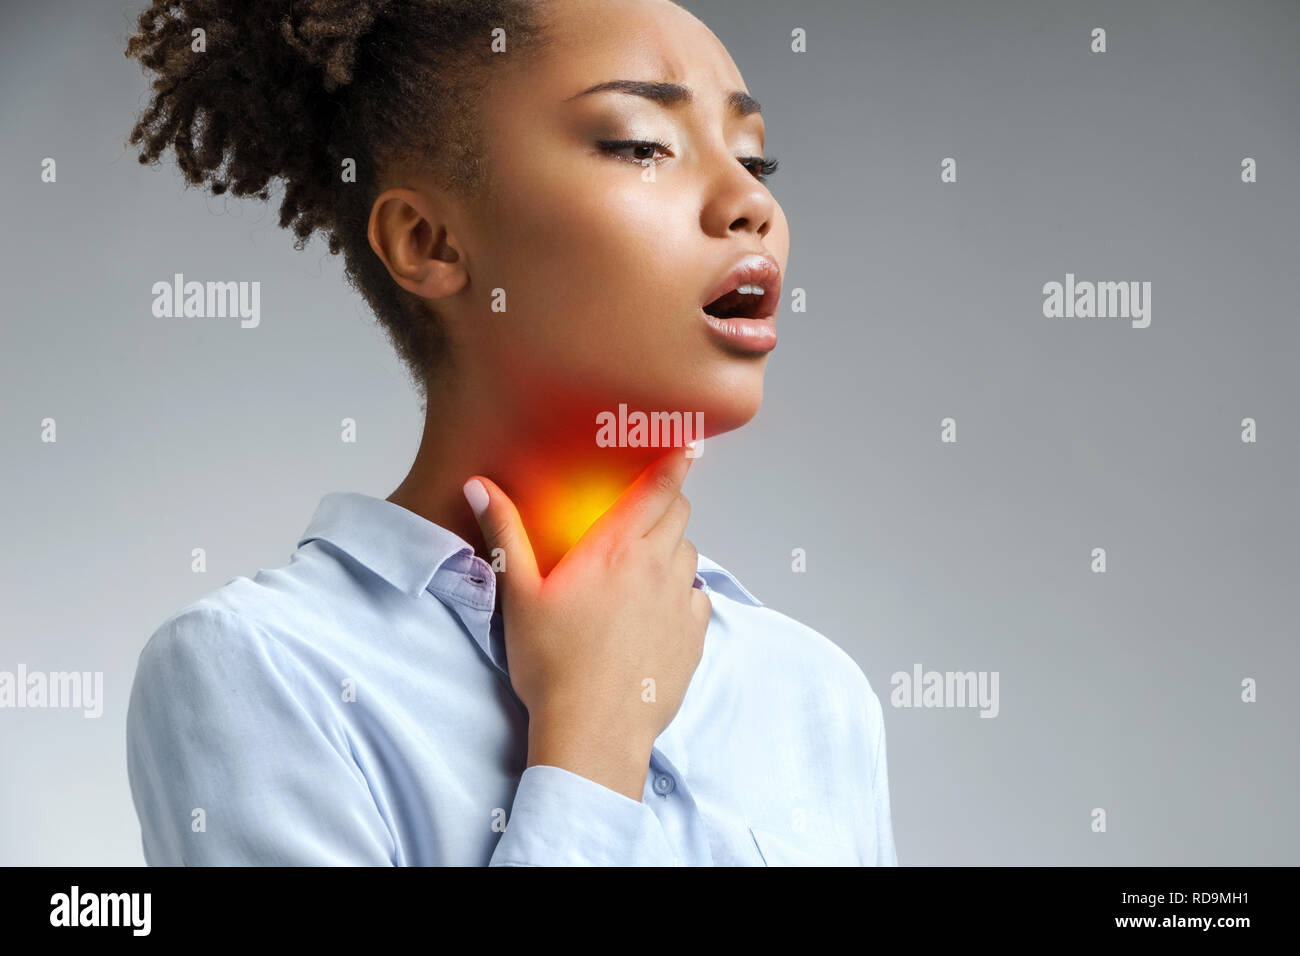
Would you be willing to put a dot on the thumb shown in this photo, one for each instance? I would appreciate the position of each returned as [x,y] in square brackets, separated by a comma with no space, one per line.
[502,528]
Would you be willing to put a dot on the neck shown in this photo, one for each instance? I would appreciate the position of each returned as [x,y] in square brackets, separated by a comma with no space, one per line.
[559,479]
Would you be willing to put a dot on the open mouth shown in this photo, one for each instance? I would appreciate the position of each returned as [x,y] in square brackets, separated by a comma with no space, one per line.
[744,302]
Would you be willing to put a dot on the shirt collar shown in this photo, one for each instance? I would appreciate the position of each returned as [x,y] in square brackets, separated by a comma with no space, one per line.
[400,546]
[414,555]
[720,579]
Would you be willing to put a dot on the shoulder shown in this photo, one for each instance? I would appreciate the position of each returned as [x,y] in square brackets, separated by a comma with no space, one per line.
[208,667]
[786,648]
[822,659]
[247,623]
[202,636]
[224,725]
[214,693]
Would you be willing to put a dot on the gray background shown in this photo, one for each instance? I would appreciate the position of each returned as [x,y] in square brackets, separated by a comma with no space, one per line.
[1118,690]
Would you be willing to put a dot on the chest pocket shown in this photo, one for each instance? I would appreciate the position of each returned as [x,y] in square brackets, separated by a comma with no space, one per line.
[797,849]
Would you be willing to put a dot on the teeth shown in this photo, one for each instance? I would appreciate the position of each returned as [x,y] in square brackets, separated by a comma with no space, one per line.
[750,290]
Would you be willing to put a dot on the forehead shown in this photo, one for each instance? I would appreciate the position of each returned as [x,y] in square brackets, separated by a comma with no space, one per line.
[592,41]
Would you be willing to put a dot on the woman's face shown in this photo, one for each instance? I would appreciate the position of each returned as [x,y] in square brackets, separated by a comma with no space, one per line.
[605,261]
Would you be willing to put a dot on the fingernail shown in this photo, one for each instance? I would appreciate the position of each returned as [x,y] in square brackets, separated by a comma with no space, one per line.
[476,495]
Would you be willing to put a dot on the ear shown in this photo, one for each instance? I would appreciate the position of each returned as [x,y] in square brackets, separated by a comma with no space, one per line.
[413,241]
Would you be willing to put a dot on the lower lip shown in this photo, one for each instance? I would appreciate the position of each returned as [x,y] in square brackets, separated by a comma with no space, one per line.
[746,335]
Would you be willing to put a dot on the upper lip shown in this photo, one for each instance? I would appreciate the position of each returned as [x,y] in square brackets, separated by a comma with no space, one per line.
[755,268]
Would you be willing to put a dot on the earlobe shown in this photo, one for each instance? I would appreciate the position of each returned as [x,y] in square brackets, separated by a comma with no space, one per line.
[414,245]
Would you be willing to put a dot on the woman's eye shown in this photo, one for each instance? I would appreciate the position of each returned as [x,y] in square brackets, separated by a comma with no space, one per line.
[760,166]
[642,151]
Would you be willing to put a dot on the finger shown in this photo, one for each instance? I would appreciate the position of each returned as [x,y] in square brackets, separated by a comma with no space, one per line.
[701,608]
[502,528]
[686,561]
[668,530]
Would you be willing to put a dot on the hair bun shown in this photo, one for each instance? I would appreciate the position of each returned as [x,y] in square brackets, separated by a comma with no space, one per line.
[327,33]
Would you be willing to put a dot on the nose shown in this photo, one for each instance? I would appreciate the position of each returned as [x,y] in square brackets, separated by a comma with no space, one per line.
[736,201]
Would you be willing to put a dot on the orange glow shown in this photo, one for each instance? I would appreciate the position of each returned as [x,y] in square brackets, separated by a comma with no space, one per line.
[567,509]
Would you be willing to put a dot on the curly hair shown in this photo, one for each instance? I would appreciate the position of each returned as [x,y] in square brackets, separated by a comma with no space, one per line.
[291,89]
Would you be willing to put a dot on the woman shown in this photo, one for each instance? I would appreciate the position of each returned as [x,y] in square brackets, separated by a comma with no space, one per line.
[558,210]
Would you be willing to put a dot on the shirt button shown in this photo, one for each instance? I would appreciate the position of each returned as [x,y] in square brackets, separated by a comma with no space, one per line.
[664,784]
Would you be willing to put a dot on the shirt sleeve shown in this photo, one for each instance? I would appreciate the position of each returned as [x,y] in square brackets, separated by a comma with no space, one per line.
[886,853]
[560,818]
[232,760]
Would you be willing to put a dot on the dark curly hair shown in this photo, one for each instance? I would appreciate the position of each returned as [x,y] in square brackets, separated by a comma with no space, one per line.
[289,89]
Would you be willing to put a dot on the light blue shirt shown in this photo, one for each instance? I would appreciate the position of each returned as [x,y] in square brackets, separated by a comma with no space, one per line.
[354,707]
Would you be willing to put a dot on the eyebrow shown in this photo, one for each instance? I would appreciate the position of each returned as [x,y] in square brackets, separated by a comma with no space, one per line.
[671,94]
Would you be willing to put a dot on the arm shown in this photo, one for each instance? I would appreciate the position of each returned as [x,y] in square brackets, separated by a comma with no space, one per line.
[231,763]
[222,722]
[579,803]
[562,819]
[886,854]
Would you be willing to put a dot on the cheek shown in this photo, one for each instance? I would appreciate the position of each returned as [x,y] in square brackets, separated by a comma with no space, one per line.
[600,270]
[598,239]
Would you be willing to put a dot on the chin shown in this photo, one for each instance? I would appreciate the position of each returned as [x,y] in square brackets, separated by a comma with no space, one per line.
[729,403]
[720,398]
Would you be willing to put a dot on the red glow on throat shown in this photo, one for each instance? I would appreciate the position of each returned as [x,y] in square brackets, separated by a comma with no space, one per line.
[563,511]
